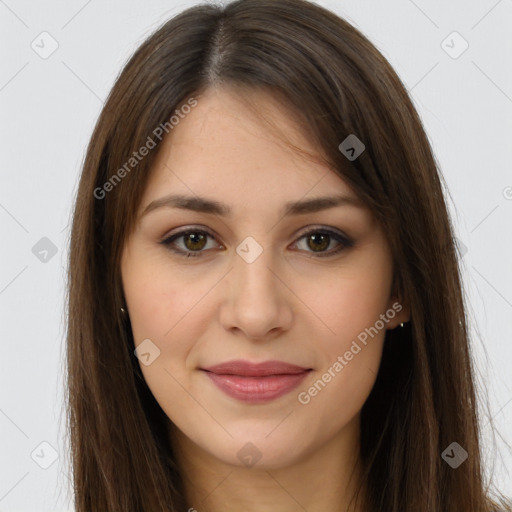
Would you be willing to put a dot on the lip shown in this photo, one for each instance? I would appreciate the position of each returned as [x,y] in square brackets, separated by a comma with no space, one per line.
[248,369]
[256,382]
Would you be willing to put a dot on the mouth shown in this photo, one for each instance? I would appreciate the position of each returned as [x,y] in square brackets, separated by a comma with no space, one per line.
[256,382]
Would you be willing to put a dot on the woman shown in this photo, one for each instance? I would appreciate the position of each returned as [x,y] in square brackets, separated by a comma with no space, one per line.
[265,306]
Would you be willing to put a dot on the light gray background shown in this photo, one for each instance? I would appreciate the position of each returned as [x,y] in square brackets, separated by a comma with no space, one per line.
[48,108]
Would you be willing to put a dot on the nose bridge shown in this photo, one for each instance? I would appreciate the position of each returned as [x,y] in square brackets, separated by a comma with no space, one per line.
[252,268]
[257,302]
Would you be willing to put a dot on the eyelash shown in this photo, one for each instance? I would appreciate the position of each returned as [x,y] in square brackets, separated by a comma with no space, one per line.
[344,241]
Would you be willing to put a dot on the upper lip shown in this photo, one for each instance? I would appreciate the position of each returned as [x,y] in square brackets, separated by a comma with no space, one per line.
[248,369]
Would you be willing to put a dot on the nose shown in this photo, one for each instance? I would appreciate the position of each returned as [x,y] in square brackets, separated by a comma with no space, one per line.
[257,299]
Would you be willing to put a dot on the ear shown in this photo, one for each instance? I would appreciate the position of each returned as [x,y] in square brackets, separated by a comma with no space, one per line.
[398,311]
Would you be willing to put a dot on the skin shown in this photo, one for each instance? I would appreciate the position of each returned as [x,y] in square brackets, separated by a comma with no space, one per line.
[289,304]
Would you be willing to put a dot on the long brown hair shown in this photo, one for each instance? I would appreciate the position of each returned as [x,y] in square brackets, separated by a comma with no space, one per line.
[336,83]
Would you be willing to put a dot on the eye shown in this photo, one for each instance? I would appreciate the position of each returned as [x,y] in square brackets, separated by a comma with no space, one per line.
[321,238]
[194,241]
[318,240]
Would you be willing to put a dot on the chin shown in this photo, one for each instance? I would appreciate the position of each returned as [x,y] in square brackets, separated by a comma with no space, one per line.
[258,451]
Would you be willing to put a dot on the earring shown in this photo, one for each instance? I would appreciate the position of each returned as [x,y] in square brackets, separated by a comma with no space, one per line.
[123,311]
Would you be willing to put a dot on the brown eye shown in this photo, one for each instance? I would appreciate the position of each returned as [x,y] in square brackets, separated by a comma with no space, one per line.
[193,242]
[319,240]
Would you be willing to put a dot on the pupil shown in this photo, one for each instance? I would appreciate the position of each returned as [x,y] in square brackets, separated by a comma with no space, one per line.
[320,241]
[196,238]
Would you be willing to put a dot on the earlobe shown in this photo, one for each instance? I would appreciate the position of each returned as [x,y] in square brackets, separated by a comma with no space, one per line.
[398,313]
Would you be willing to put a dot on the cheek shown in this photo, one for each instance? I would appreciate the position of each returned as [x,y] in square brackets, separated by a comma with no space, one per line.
[166,309]
[161,301]
[350,361]
[350,303]
[172,309]
[350,355]
[351,310]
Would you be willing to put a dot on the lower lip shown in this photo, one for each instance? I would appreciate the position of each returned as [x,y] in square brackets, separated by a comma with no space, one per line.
[256,389]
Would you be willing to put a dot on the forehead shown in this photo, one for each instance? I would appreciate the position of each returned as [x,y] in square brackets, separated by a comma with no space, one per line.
[225,149]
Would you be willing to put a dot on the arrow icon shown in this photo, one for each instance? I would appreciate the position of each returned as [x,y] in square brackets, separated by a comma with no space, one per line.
[249,253]
[147,352]
[44,455]
[454,45]
[44,250]
[249,455]
[351,147]
[454,455]
[44,44]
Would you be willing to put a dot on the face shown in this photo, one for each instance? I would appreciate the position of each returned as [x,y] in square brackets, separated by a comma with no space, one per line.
[307,291]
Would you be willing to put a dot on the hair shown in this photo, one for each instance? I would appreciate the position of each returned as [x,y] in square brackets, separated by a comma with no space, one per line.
[335,83]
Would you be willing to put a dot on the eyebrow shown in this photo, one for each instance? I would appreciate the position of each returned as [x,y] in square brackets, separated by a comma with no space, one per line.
[205,205]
